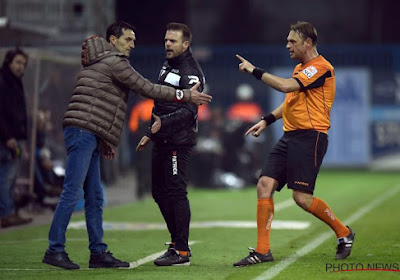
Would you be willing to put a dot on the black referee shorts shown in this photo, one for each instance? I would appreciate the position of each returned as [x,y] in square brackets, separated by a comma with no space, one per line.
[296,158]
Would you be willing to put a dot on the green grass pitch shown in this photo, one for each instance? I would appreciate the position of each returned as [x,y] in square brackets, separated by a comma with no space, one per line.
[377,243]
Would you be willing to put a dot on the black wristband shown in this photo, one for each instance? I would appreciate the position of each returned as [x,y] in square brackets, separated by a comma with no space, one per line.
[270,118]
[258,72]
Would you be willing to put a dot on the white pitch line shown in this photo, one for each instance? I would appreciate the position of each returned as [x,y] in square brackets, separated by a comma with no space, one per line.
[150,258]
[284,204]
[278,224]
[278,268]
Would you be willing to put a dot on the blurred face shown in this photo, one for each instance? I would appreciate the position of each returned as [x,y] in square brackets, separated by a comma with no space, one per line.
[174,44]
[125,43]
[17,65]
[296,45]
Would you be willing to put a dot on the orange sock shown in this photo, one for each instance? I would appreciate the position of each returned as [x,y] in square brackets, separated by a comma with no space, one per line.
[265,214]
[322,211]
[183,253]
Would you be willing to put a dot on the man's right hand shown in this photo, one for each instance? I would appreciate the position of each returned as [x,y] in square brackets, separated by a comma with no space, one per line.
[156,125]
[199,98]
[142,143]
[256,129]
[245,65]
[107,150]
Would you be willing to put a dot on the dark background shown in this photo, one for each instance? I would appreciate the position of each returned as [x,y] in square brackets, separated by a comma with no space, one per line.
[259,22]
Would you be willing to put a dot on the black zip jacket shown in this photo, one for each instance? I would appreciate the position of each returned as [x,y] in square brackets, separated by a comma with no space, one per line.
[178,120]
[13,116]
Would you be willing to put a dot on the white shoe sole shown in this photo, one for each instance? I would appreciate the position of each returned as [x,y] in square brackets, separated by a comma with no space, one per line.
[181,264]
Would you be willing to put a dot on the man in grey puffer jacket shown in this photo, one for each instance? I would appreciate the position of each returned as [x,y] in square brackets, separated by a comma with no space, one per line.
[92,126]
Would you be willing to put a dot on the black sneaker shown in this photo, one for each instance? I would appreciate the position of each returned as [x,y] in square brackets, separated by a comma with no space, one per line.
[59,259]
[255,258]
[345,244]
[167,253]
[173,258]
[105,260]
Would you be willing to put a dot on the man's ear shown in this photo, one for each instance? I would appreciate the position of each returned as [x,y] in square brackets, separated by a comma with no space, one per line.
[112,39]
[186,45]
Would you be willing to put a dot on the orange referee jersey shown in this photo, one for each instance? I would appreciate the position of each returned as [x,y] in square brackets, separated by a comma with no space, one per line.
[309,108]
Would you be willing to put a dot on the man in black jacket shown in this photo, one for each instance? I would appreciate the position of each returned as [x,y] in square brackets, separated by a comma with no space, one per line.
[13,132]
[174,131]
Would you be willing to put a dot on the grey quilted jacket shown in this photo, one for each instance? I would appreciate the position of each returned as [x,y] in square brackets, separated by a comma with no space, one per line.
[99,100]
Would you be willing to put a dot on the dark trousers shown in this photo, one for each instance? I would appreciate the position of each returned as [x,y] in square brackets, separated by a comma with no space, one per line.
[170,166]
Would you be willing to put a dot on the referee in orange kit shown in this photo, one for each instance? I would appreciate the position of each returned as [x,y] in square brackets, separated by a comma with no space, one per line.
[296,158]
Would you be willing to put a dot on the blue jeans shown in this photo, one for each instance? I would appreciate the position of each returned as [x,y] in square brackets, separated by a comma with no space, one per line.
[9,168]
[82,171]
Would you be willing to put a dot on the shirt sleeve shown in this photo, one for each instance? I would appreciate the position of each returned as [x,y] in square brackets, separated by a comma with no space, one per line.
[312,76]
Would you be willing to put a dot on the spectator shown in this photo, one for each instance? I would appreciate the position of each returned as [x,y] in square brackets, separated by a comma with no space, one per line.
[243,156]
[13,132]
[245,109]
[47,183]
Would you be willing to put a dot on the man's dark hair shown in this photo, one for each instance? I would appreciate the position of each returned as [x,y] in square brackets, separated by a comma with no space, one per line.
[305,30]
[8,58]
[186,33]
[117,29]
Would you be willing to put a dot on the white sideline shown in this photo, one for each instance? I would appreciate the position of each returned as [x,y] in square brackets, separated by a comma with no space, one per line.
[278,268]
[278,224]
